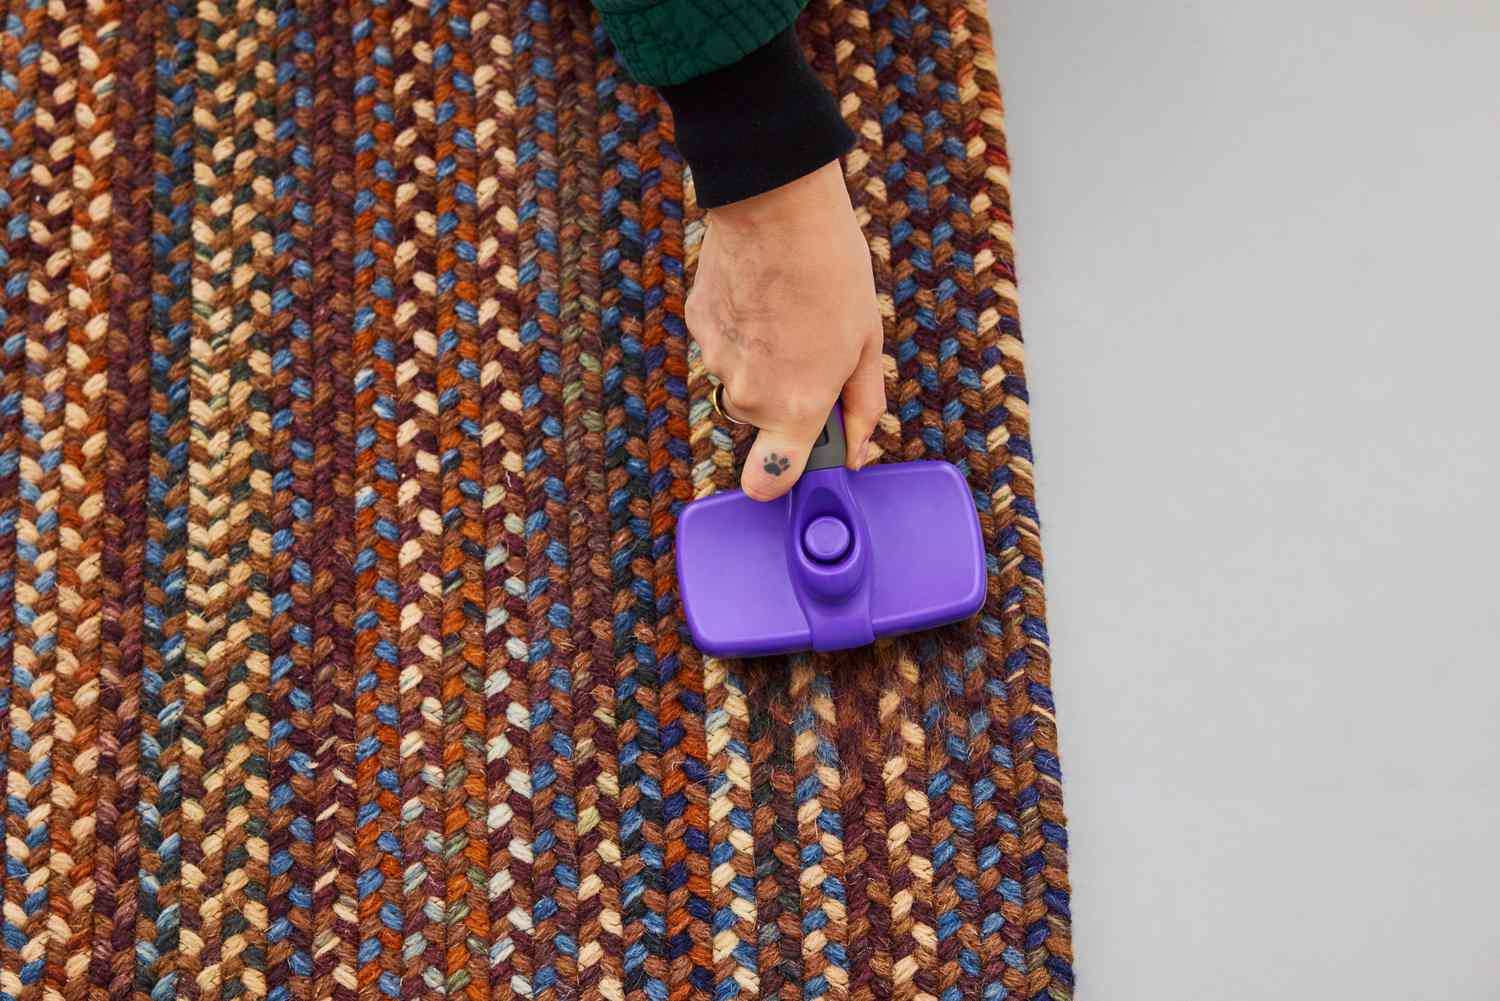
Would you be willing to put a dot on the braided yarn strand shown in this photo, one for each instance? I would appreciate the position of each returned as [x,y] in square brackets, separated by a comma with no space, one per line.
[347,409]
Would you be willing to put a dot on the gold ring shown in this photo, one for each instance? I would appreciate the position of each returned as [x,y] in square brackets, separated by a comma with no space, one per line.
[717,398]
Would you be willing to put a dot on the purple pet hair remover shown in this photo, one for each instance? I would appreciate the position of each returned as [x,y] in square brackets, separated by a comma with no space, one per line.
[843,558]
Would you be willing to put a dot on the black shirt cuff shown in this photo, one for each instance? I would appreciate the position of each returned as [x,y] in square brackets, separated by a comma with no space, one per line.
[756,124]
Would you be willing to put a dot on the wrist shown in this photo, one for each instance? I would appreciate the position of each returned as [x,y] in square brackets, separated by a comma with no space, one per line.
[810,199]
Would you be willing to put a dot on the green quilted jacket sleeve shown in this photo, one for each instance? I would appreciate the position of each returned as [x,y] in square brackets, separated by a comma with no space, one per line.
[666,42]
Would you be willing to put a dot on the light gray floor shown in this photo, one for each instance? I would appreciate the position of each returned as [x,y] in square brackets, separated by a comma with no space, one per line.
[1259,249]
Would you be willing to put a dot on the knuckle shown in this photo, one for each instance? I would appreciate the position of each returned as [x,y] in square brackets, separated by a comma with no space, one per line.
[801,413]
[696,314]
[709,352]
[746,395]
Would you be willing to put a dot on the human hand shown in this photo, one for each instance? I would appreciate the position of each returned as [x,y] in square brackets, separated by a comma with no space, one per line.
[784,311]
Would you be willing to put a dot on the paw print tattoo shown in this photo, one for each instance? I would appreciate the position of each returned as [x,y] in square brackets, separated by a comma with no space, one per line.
[776,464]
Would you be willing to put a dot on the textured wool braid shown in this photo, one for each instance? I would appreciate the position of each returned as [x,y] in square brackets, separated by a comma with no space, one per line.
[346,409]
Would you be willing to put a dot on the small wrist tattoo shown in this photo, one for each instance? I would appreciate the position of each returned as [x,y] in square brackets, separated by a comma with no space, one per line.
[776,464]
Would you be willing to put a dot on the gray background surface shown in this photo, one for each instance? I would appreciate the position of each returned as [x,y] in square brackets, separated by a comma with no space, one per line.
[1259,252]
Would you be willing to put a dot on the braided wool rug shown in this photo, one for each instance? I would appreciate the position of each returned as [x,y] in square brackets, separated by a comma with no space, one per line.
[346,408]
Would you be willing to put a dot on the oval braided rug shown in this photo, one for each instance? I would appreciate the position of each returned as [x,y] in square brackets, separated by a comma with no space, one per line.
[346,408]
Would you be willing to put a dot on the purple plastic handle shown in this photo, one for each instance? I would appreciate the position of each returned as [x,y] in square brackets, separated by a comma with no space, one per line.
[842,559]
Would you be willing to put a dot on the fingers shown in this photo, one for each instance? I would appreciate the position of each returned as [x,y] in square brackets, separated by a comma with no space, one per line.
[775,462]
[722,406]
[779,454]
[864,402]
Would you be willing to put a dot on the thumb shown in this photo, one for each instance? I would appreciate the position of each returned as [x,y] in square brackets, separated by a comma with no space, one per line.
[775,462]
